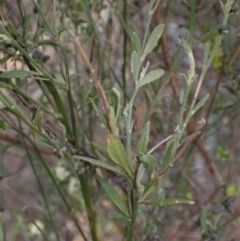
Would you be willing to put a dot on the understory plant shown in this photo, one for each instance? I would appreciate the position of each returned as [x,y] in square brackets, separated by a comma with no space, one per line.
[77,102]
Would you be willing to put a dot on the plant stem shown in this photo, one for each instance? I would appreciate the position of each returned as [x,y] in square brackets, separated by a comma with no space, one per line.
[125,36]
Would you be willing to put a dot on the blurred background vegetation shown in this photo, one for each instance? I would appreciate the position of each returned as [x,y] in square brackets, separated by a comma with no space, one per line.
[207,172]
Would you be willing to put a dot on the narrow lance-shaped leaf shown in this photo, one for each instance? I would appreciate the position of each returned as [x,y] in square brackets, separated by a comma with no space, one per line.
[101,164]
[206,55]
[151,186]
[117,216]
[99,113]
[148,160]
[3,125]
[63,138]
[116,151]
[181,97]
[112,120]
[5,85]
[17,74]
[135,66]
[143,142]
[150,77]
[200,103]
[153,40]
[169,153]
[27,22]
[139,177]
[136,45]
[11,104]
[114,197]
[4,59]
[167,202]
[102,148]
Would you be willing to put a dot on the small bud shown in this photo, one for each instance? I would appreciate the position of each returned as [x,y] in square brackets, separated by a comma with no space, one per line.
[182,38]
[45,58]
[35,10]
[137,3]
[222,30]
[228,200]
[37,55]
[234,9]
[228,208]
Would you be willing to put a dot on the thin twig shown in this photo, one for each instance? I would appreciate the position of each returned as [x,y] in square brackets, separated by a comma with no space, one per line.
[97,84]
[177,156]
[160,143]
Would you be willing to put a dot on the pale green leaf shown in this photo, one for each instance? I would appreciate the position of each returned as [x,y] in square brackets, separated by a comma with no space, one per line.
[169,153]
[113,196]
[136,45]
[143,142]
[150,77]
[17,74]
[99,113]
[117,216]
[102,148]
[148,160]
[151,186]
[200,103]
[167,202]
[153,40]
[3,125]
[135,66]
[116,151]
[101,164]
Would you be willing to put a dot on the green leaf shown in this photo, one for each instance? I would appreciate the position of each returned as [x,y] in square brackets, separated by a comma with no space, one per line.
[153,40]
[101,164]
[112,120]
[151,186]
[203,219]
[59,79]
[139,178]
[143,142]
[136,45]
[61,30]
[150,77]
[45,143]
[99,113]
[181,97]
[150,229]
[27,22]
[116,151]
[167,202]
[63,138]
[169,153]
[113,196]
[17,74]
[11,104]
[148,160]
[200,103]
[4,59]
[58,101]
[117,216]
[102,148]
[135,66]
[4,85]
[3,125]
[206,55]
